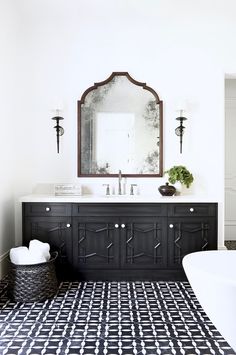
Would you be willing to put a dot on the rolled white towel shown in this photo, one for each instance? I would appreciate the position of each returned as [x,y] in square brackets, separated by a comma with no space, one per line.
[22,256]
[18,254]
[36,257]
[35,246]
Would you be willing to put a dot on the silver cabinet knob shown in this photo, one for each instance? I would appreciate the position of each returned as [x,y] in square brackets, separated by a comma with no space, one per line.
[47,209]
[122,225]
[116,225]
[171,225]
[191,209]
[68,225]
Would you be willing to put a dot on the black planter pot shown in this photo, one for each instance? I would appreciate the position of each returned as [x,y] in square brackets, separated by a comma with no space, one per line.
[167,190]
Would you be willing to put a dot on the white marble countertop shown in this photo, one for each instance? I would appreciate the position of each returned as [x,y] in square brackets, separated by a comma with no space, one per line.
[117,199]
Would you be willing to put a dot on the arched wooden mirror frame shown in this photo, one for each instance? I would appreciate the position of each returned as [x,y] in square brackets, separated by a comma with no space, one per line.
[85,156]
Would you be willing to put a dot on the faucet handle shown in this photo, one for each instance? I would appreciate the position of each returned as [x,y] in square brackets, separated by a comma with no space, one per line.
[107,188]
[132,189]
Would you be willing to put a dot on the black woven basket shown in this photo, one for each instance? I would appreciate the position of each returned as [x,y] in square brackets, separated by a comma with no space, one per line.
[33,283]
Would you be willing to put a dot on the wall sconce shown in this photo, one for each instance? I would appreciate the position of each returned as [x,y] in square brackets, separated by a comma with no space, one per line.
[179,131]
[59,129]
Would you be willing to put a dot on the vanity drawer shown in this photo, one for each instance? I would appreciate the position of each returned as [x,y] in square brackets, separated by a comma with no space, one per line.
[119,209]
[47,209]
[192,209]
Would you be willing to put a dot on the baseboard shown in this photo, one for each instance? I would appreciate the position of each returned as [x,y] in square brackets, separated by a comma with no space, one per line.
[223,247]
[4,264]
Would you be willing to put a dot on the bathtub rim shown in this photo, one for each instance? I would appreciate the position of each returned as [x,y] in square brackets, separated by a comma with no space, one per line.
[201,269]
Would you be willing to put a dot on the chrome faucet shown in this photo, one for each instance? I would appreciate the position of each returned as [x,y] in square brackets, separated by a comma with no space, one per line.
[119,183]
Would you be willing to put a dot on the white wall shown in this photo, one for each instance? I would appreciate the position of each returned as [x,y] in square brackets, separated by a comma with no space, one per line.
[8,117]
[230,162]
[180,48]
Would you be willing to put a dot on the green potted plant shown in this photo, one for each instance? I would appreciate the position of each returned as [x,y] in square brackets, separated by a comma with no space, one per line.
[180,173]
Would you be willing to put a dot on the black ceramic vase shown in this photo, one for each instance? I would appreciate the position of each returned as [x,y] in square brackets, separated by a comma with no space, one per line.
[167,190]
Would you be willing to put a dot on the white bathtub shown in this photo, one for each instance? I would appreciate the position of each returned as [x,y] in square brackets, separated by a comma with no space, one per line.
[212,275]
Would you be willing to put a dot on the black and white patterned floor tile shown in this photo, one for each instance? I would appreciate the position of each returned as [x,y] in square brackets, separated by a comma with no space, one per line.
[110,318]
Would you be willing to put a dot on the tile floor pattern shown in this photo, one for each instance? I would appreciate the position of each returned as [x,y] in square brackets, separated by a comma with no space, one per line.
[110,318]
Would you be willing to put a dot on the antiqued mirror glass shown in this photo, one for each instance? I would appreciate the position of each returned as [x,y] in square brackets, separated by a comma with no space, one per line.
[120,128]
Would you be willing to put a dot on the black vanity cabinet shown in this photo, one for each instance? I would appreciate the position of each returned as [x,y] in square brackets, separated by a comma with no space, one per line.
[121,241]
[51,223]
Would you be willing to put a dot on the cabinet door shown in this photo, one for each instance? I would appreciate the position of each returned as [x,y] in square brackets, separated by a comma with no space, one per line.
[95,243]
[143,243]
[57,232]
[187,235]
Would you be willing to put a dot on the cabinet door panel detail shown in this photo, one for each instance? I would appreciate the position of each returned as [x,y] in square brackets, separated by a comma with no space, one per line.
[143,244]
[190,236]
[52,230]
[96,244]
